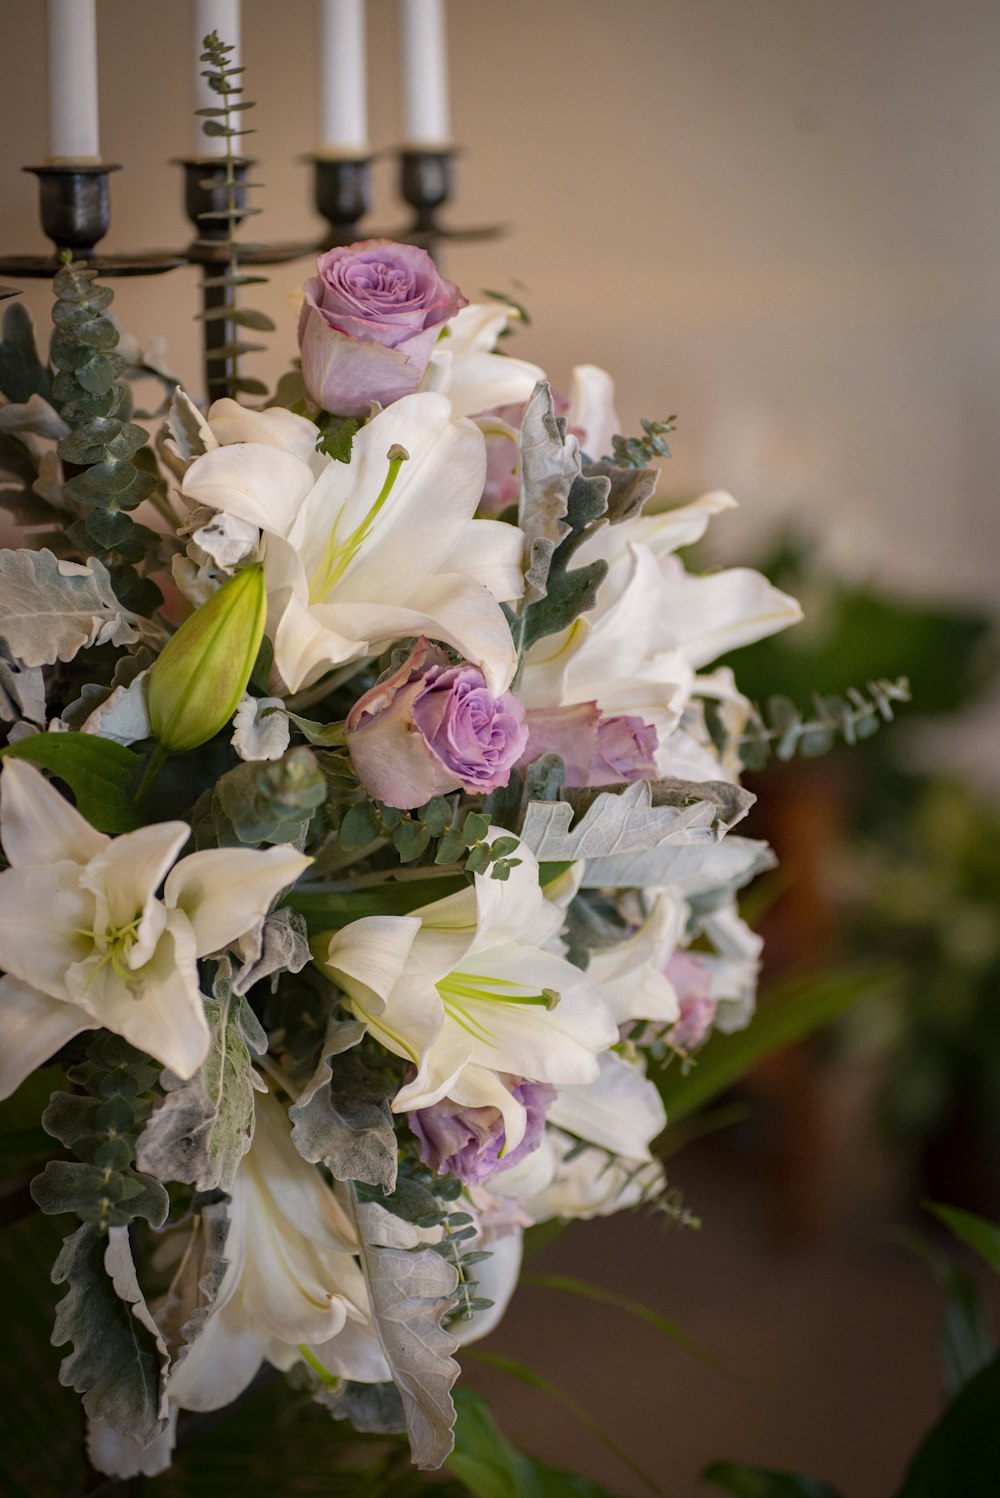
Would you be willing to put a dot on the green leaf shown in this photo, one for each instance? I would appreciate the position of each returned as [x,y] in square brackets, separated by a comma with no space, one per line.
[490,1467]
[204,1126]
[119,1361]
[793,1009]
[337,437]
[536,1381]
[960,1458]
[74,1186]
[976,1232]
[359,827]
[329,912]
[587,1291]
[410,839]
[22,373]
[760,1482]
[100,773]
[323,735]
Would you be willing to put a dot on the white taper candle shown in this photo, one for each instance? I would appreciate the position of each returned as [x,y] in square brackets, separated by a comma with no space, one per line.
[425,74]
[222,16]
[343,82]
[72,41]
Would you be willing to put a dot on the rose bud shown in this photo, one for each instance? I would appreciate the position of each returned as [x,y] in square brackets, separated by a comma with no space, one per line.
[595,749]
[371,317]
[196,682]
[429,728]
[469,1143]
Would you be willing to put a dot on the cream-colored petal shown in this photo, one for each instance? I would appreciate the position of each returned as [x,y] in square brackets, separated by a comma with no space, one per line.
[262,484]
[368,957]
[448,607]
[37,824]
[33,1027]
[491,551]
[274,427]
[225,891]
[44,915]
[621,1111]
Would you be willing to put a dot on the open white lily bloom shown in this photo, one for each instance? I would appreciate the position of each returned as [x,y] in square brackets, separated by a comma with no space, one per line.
[464,989]
[85,942]
[464,367]
[654,627]
[358,555]
[292,1279]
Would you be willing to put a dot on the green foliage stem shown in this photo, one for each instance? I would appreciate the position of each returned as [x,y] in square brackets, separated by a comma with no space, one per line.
[105,483]
[223,120]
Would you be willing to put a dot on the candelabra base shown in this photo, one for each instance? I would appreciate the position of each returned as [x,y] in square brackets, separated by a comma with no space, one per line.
[75,211]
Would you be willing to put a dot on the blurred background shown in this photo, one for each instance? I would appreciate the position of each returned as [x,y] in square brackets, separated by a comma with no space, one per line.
[777,219]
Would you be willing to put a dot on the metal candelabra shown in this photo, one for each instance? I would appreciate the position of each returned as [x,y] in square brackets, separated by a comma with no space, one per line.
[75,214]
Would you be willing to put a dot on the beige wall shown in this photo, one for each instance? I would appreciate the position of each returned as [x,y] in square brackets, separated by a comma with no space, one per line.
[778,218]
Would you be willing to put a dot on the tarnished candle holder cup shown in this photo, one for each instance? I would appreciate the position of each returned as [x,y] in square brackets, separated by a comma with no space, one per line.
[75,211]
[342,194]
[426,183]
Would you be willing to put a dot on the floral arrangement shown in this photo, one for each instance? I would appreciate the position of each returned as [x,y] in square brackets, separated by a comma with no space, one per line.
[366,813]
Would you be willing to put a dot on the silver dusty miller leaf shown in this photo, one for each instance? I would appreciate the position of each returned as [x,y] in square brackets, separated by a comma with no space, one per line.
[643,815]
[342,1117]
[50,609]
[119,1360]
[204,1127]
[410,1288]
[549,462]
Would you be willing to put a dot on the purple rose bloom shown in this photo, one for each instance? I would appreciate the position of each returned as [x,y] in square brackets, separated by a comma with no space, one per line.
[371,317]
[430,727]
[466,1142]
[594,749]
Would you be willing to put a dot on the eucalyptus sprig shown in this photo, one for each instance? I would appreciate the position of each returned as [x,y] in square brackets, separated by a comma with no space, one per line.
[784,731]
[636,452]
[106,481]
[223,120]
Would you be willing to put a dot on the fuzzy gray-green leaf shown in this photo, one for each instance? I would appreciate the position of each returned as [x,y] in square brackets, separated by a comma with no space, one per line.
[410,1288]
[205,1125]
[50,610]
[119,1361]
[342,1117]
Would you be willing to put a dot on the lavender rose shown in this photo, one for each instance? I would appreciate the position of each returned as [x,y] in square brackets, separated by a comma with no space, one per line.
[369,322]
[466,1142]
[430,727]
[596,750]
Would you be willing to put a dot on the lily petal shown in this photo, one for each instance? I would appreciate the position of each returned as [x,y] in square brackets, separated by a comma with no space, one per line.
[161,1010]
[38,825]
[34,1027]
[225,891]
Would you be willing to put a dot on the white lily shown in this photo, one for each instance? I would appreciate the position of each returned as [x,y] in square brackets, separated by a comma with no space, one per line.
[464,989]
[292,1280]
[360,554]
[655,625]
[592,415]
[465,368]
[86,943]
